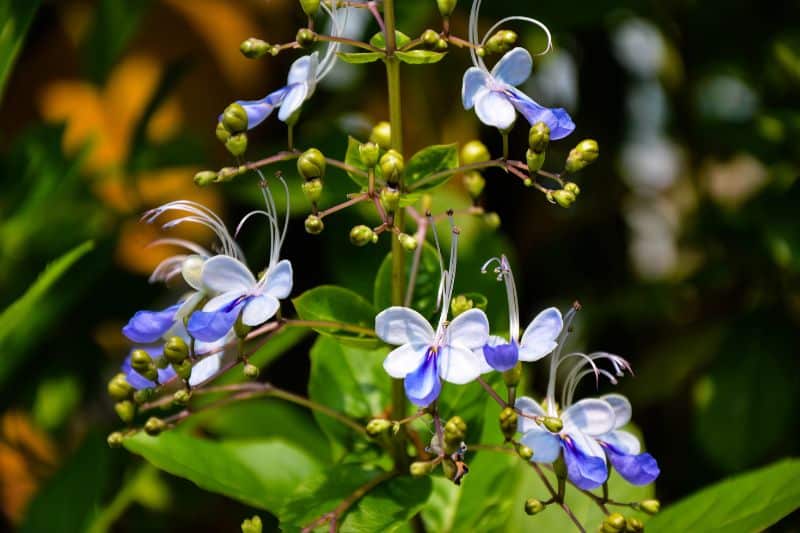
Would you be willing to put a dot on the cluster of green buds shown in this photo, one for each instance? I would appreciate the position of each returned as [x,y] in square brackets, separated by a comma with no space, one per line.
[584,154]
[538,141]
[311,167]
[432,40]
[472,153]
[508,422]
[231,129]
[501,42]
[122,392]
[176,352]
[455,431]
[253,48]
[617,523]
[362,235]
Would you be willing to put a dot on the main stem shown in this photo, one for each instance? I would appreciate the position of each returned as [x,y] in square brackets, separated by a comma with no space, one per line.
[398,256]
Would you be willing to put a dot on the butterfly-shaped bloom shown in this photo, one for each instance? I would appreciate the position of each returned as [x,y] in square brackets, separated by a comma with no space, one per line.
[623,449]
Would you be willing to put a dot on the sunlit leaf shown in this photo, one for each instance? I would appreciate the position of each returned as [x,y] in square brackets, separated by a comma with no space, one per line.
[420,57]
[428,162]
[328,306]
[358,58]
[401,39]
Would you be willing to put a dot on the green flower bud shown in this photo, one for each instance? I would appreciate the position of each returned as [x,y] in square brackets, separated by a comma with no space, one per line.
[501,42]
[492,220]
[430,38]
[614,522]
[460,304]
[512,376]
[252,525]
[234,118]
[382,135]
[455,431]
[181,397]
[115,439]
[650,506]
[378,426]
[474,183]
[312,189]
[564,198]
[237,144]
[633,525]
[126,410]
[251,371]
[390,199]
[306,37]
[141,361]
[408,242]
[474,152]
[421,468]
[369,152]
[154,426]
[525,452]
[143,395]
[533,506]
[226,174]
[222,132]
[535,160]
[392,166]
[176,350]
[582,155]
[162,363]
[446,7]
[539,137]
[314,225]
[205,177]
[254,48]
[553,424]
[481,51]
[310,8]
[441,45]
[311,164]
[183,369]
[572,187]
[362,235]
[508,422]
[118,387]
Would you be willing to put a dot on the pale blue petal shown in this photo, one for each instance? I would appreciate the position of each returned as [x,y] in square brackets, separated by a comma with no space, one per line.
[494,109]
[293,100]
[586,471]
[423,385]
[223,273]
[622,408]
[540,336]
[258,110]
[403,360]
[403,325]
[469,329]
[303,69]
[259,309]
[458,365]
[530,407]
[150,326]
[208,326]
[558,120]
[205,369]
[475,81]
[545,445]
[514,67]
[624,441]
[279,280]
[591,416]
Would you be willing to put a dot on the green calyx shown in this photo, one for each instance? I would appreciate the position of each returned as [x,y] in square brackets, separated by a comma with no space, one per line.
[370,153]
[512,376]
[378,426]
[525,452]
[234,118]
[501,42]
[613,523]
[251,371]
[181,397]
[115,439]
[118,388]
[390,199]
[563,197]
[649,506]
[311,164]
[236,144]
[535,160]
[553,424]
[430,38]
[205,178]
[176,350]
[392,166]
[314,225]
[126,410]
[421,468]
[539,137]
[312,190]
[183,369]
[254,48]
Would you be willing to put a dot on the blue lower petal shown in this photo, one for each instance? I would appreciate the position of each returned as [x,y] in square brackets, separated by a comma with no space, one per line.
[150,326]
[557,119]
[640,469]
[258,110]
[138,381]
[209,326]
[502,357]
[423,384]
[586,471]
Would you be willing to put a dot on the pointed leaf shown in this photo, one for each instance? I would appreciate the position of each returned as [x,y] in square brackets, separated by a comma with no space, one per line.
[358,58]
[420,57]
[328,303]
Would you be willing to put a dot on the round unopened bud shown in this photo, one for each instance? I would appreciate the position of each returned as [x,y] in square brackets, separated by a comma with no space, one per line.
[234,118]
[378,426]
[126,410]
[474,152]
[535,160]
[501,42]
[362,235]
[181,397]
[254,48]
[512,376]
[312,189]
[441,45]
[508,422]
[392,166]
[252,525]
[237,144]
[421,468]
[481,51]
[564,198]
[525,452]
[429,38]
[585,153]
[382,135]
[460,304]
[183,369]
[226,174]
[572,187]
[176,350]
[492,220]
[251,371]
[539,137]
[222,132]
[408,242]
[390,199]
[141,361]
[370,153]
[446,7]
[311,164]
[205,177]
[614,522]
[115,439]
[119,388]
[533,506]
[553,424]
[455,431]
[310,7]
[306,37]
[633,525]
[650,506]
[154,426]
[314,225]
[474,183]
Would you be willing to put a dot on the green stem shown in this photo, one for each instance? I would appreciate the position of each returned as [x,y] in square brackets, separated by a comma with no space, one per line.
[505,144]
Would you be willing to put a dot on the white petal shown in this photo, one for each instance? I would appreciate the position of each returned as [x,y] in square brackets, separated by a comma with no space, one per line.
[587,444]
[514,67]
[540,336]
[279,280]
[222,273]
[469,329]
[494,340]
[259,310]
[546,446]
[458,365]
[402,325]
[192,271]
[622,408]
[476,80]
[303,69]
[624,441]
[293,100]
[591,416]
[218,302]
[530,407]
[494,109]
[205,369]
[404,360]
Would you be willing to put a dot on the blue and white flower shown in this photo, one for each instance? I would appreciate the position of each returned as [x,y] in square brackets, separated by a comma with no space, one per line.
[495,95]
[425,355]
[623,449]
[239,293]
[538,340]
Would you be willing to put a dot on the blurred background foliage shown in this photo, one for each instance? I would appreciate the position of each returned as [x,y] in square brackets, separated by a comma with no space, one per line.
[684,247]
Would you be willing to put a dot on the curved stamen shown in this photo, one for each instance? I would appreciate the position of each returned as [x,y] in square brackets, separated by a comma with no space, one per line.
[555,359]
[183,243]
[166,269]
[329,59]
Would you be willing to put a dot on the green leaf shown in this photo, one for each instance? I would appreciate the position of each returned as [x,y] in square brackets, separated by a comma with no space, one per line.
[748,502]
[429,161]
[353,159]
[261,473]
[349,380]
[278,344]
[15,19]
[359,58]
[328,303]
[420,57]
[19,325]
[401,39]
[425,286]
[113,25]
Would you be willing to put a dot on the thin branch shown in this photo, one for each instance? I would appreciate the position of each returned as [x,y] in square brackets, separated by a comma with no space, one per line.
[466,168]
[347,168]
[343,205]
[350,42]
